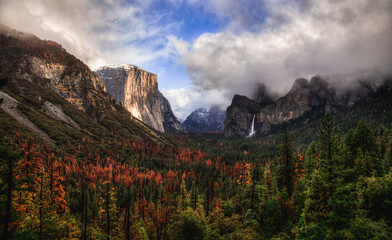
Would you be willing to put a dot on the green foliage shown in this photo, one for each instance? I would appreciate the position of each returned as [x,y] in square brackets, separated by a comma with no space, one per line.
[312,159]
[365,228]
[113,183]
[272,218]
[187,227]
[228,209]
[376,196]
[286,168]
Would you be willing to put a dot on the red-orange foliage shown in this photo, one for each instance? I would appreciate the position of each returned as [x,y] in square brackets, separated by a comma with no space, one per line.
[190,156]
[299,167]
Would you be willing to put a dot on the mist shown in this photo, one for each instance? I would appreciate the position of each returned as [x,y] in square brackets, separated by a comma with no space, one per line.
[343,41]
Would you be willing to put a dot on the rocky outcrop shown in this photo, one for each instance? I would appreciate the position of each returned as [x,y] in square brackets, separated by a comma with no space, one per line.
[138,90]
[202,120]
[170,123]
[306,100]
[239,116]
[80,87]
[60,94]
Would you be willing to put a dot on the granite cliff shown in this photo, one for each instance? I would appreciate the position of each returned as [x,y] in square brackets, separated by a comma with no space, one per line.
[138,90]
[306,101]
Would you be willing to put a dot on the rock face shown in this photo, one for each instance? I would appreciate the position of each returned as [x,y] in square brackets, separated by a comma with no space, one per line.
[307,100]
[55,87]
[202,120]
[80,87]
[138,90]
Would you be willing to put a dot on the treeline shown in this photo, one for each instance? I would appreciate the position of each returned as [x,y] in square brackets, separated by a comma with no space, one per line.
[338,188]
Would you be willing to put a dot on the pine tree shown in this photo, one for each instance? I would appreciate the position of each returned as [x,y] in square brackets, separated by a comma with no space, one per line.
[256,177]
[286,169]
[365,141]
[311,160]
[323,182]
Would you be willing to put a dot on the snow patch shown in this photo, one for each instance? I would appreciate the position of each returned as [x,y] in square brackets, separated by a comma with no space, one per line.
[124,66]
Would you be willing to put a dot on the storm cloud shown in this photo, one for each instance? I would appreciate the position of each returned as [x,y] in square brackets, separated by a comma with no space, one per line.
[294,39]
[97,32]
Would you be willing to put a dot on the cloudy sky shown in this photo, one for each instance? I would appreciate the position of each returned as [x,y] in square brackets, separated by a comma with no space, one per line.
[205,51]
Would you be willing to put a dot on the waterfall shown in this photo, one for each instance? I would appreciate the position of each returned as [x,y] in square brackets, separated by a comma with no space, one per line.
[252,128]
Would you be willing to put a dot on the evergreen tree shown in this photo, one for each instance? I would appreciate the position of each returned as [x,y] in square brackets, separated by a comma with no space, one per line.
[351,149]
[323,183]
[312,159]
[286,169]
[187,227]
[272,220]
[256,177]
[365,141]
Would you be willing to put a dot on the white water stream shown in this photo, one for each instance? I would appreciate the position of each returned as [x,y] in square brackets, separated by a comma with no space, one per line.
[252,128]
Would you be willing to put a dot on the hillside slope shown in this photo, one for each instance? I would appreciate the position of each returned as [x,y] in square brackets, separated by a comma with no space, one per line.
[52,92]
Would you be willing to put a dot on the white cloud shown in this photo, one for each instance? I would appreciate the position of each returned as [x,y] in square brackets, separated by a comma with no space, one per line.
[184,101]
[294,40]
[181,101]
[176,47]
[108,32]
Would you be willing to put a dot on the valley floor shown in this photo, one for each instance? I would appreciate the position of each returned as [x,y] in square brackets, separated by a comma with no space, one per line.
[205,187]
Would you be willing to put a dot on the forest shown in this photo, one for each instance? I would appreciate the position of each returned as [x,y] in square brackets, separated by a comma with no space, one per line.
[338,186]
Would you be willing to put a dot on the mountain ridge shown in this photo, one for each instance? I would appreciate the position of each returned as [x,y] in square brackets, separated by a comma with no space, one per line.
[306,101]
[44,79]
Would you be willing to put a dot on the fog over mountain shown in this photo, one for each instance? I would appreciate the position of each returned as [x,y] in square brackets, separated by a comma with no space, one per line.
[339,39]
[237,44]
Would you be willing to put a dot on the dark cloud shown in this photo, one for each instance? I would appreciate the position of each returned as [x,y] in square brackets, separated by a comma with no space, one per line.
[296,39]
[97,32]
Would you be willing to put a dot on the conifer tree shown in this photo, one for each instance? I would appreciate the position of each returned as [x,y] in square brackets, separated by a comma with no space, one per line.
[365,141]
[311,159]
[323,182]
[286,169]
